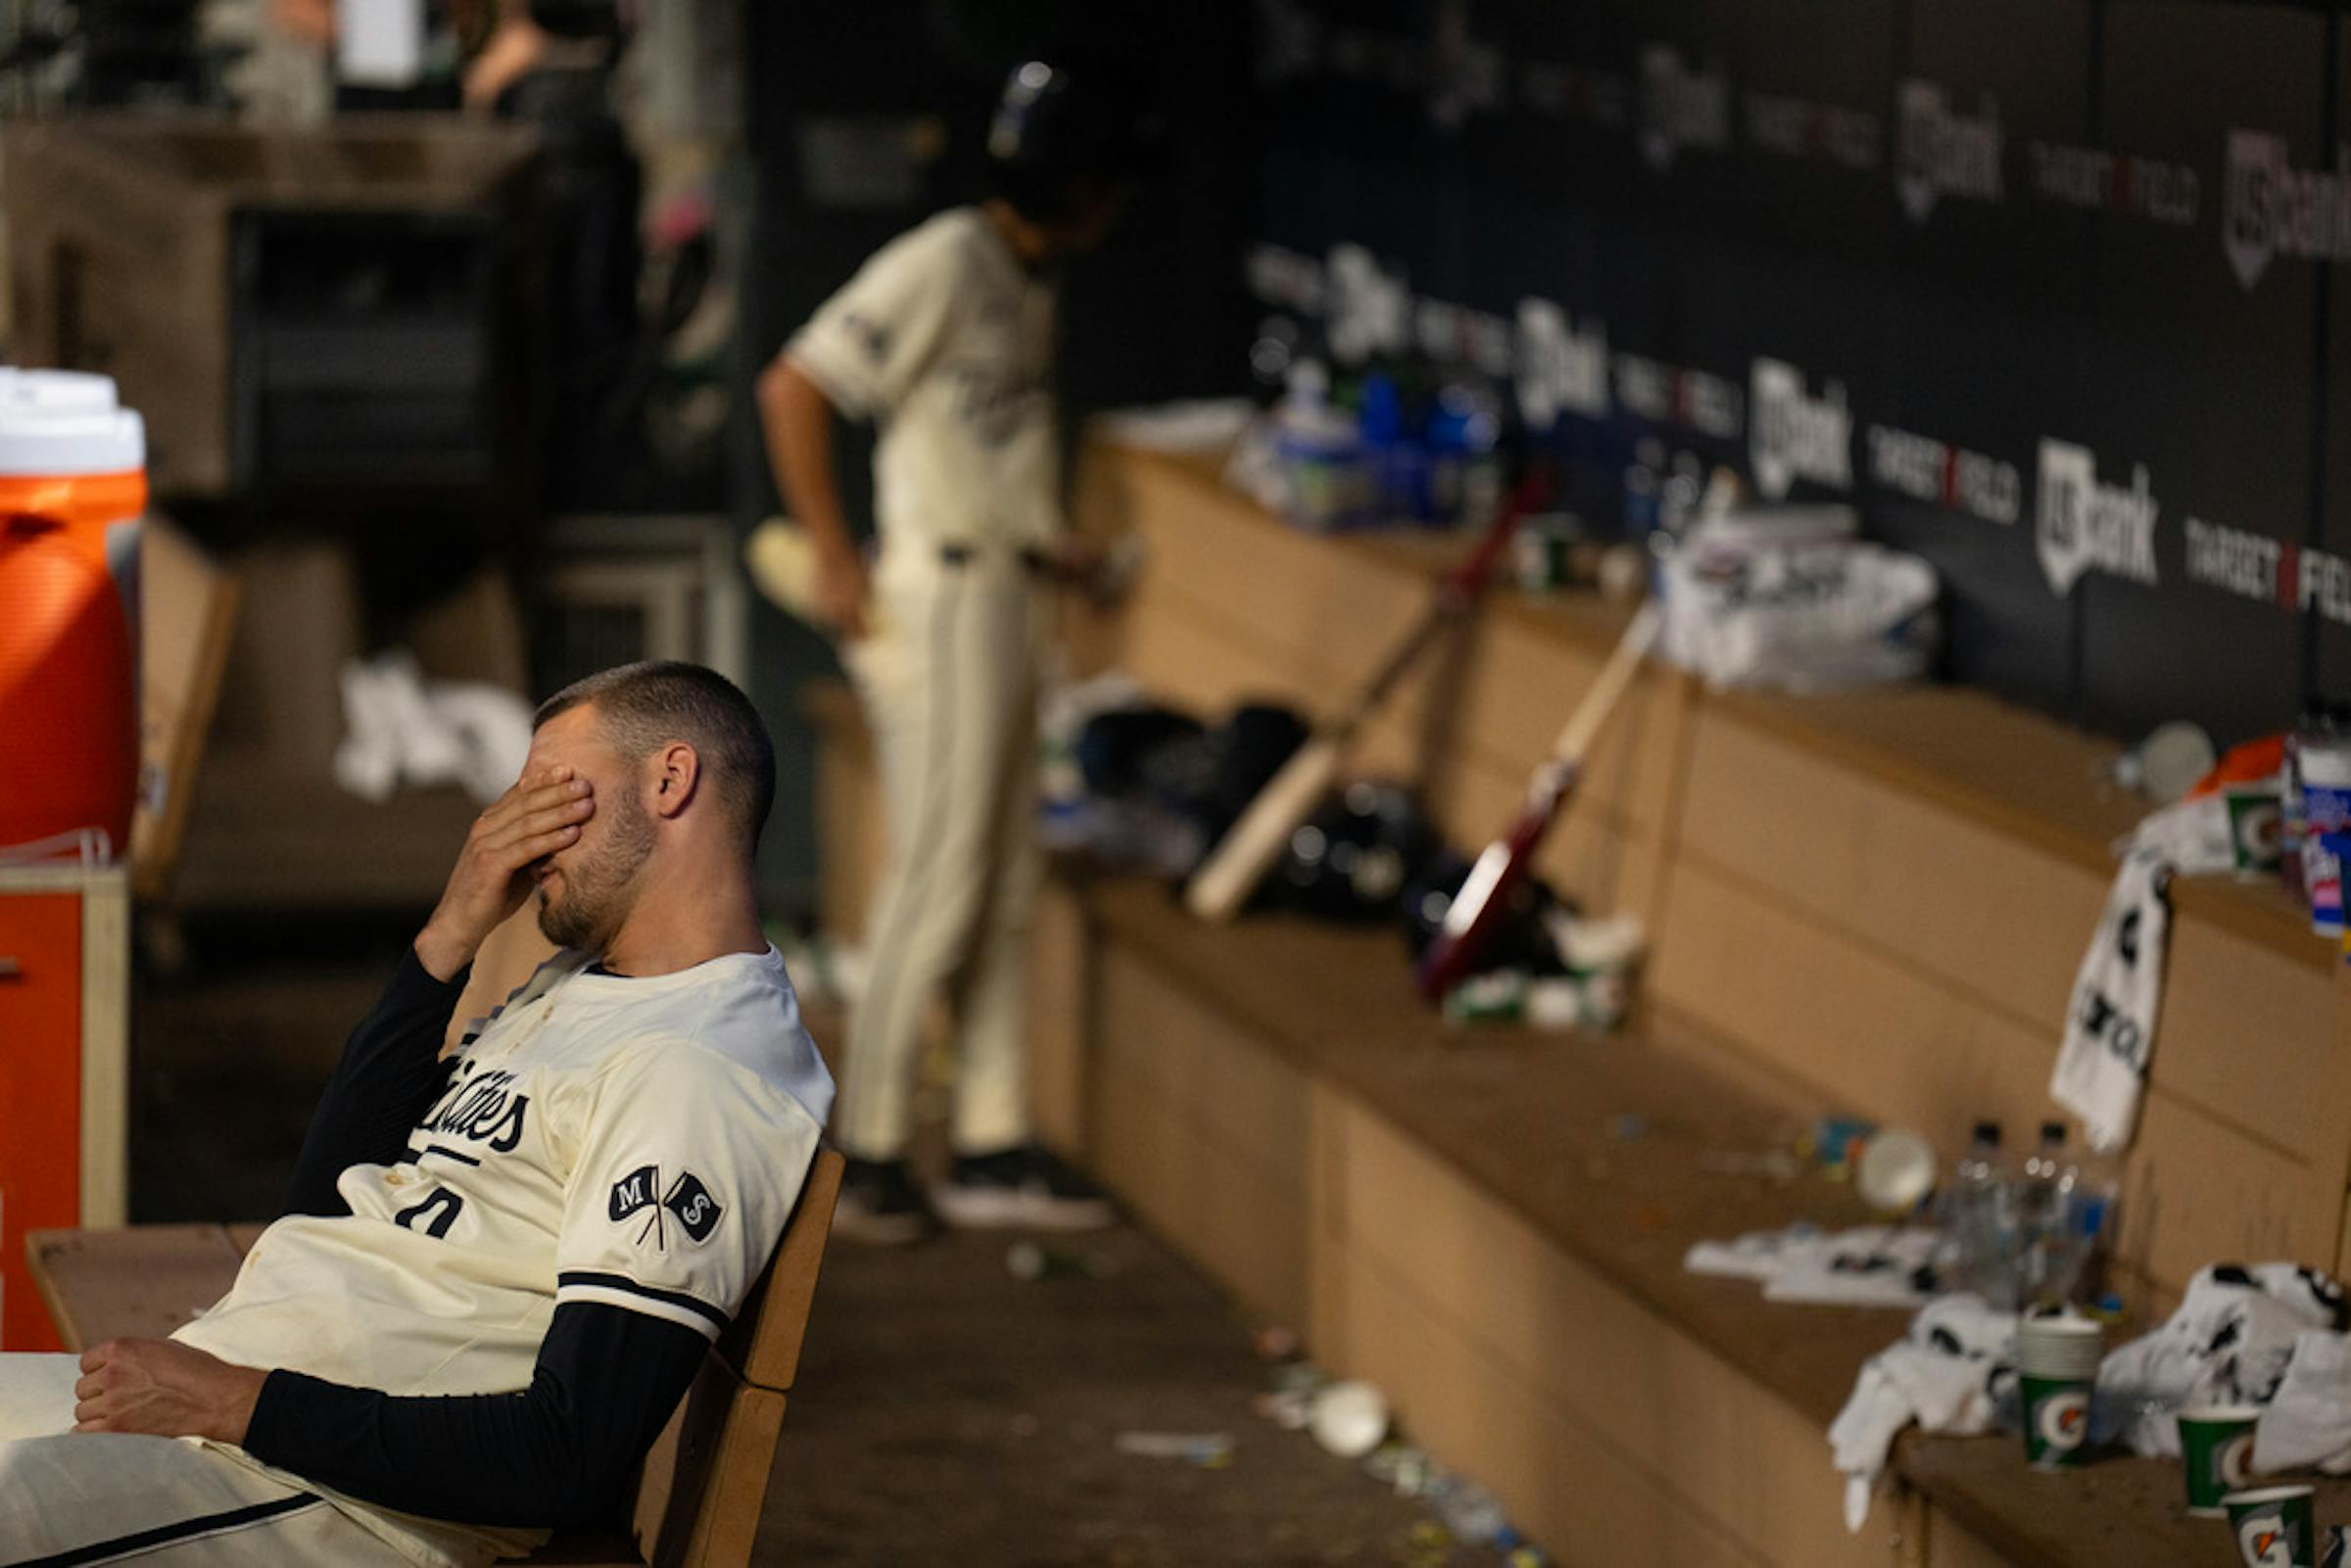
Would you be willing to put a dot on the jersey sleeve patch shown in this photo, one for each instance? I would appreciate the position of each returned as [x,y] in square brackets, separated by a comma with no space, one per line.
[687,1167]
[685,1204]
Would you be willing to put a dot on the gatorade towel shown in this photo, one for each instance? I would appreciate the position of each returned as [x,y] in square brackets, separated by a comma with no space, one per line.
[2326,830]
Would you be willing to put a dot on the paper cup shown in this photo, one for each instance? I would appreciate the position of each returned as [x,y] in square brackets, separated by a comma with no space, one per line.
[2060,1347]
[2216,1449]
[2273,1526]
[2056,1419]
[1349,1418]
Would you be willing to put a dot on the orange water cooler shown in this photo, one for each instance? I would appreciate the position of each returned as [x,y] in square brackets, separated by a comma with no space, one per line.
[72,485]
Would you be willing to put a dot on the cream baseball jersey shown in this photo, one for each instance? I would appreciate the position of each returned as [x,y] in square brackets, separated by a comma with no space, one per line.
[637,1142]
[946,340]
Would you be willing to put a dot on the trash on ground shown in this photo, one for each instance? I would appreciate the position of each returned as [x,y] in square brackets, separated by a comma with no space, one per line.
[1030,1261]
[1208,1450]
[1349,1418]
[1276,1343]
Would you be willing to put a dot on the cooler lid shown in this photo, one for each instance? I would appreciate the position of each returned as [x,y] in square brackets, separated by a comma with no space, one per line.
[64,424]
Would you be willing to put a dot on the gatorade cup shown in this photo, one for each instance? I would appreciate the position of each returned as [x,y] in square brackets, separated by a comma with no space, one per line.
[2274,1526]
[2057,1365]
[72,485]
[2215,1451]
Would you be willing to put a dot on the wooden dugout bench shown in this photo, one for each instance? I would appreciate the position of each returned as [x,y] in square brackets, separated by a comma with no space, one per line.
[1870,904]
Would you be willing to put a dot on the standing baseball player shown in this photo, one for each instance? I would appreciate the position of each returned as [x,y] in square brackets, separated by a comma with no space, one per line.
[500,1269]
[945,339]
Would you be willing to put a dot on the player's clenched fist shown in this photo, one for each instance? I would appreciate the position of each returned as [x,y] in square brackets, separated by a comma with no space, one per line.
[165,1390]
[542,814]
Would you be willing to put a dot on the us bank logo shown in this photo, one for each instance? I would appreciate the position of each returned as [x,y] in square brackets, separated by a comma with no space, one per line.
[2272,208]
[2087,525]
[1793,435]
[1941,151]
[1561,367]
[1680,108]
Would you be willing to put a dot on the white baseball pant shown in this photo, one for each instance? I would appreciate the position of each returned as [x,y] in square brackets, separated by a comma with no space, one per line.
[72,1500]
[949,678]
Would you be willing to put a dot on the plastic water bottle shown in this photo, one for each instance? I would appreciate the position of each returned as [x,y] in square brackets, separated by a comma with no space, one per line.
[2089,1193]
[2041,1219]
[1979,1218]
[1319,450]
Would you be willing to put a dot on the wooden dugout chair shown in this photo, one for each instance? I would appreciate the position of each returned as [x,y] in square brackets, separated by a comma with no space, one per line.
[704,1481]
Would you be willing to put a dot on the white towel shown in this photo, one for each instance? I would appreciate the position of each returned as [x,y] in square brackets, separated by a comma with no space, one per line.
[407,729]
[1869,1266]
[2110,1024]
[1758,1254]
[2232,1342]
[1947,1374]
[1873,1265]
[2309,1423]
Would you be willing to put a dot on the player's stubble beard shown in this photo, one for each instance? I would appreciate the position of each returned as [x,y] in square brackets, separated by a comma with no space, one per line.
[600,888]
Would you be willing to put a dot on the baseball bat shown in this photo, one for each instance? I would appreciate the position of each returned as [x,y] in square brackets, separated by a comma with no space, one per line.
[1224,881]
[1477,909]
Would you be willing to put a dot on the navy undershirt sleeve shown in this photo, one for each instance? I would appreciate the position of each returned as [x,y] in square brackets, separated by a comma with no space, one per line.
[561,1453]
[389,1077]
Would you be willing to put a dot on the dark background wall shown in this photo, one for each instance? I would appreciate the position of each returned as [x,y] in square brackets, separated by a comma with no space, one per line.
[2042,266]
[2005,226]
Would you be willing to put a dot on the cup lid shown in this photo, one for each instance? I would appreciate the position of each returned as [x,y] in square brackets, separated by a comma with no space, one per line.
[1897,1170]
[2067,1326]
[2220,1412]
[2254,1500]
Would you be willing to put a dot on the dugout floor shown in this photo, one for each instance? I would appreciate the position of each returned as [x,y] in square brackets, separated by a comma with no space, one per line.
[948,1414]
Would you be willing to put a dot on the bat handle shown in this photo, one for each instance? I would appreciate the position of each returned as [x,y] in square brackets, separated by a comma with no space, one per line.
[1467,580]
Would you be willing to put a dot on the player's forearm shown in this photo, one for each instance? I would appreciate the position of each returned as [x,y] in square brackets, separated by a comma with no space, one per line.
[560,1453]
[389,1075]
[797,423]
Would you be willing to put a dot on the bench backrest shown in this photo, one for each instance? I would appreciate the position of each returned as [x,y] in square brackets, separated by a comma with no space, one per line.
[705,1478]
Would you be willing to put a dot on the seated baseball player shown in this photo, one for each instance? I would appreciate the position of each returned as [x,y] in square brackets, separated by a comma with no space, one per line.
[499,1268]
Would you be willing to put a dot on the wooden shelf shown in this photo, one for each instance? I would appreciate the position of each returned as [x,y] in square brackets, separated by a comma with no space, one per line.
[2020,773]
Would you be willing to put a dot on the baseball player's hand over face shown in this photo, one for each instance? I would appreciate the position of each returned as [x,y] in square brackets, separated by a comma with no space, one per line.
[165,1390]
[841,590]
[542,814]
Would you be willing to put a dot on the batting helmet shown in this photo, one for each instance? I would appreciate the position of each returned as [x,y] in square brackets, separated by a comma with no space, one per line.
[1058,142]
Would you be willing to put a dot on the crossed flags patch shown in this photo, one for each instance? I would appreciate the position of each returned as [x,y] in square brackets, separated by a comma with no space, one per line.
[686,1200]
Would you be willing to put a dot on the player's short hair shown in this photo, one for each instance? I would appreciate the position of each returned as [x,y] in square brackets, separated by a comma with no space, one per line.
[649,704]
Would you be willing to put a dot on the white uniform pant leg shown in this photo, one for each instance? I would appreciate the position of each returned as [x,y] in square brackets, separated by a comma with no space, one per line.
[36,1393]
[88,1499]
[991,1015]
[949,689]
